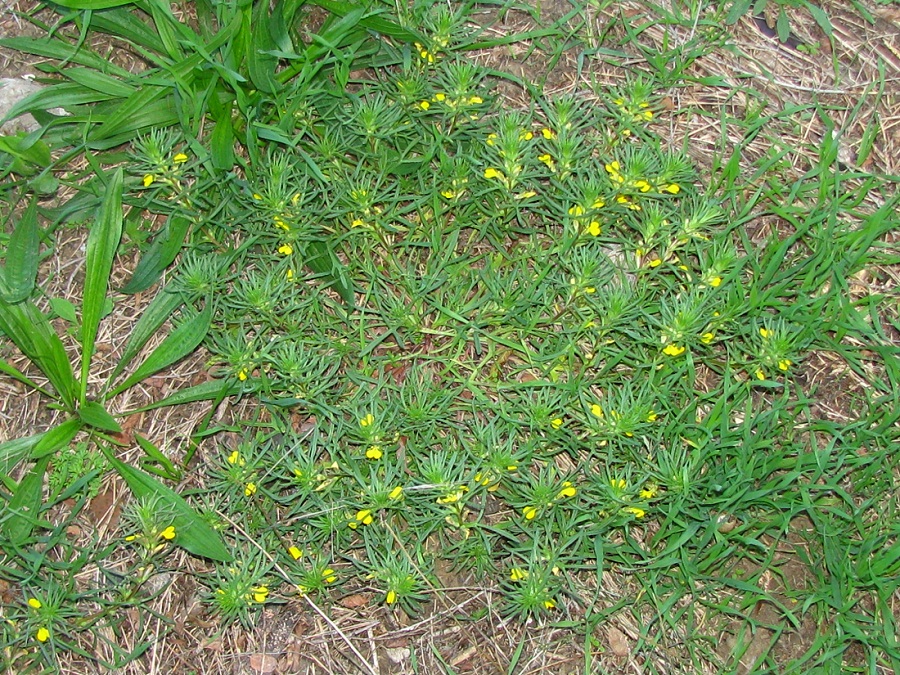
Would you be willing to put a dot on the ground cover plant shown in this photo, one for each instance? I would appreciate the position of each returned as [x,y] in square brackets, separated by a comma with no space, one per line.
[526,348]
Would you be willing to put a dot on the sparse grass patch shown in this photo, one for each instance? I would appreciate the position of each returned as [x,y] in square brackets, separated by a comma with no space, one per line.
[533,346]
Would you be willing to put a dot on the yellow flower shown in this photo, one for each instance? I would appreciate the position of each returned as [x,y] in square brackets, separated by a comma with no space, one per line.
[618,483]
[656,262]
[242,374]
[493,173]
[547,159]
[396,493]
[651,416]
[490,139]
[448,194]
[257,196]
[180,158]
[295,552]
[391,597]
[42,634]
[765,333]
[365,516]
[517,574]
[235,458]
[250,489]
[285,249]
[594,228]
[168,534]
[260,593]
[577,210]
[475,100]
[424,105]
[642,185]
[439,97]
[530,512]
[635,511]
[596,410]
[674,350]
[568,490]
[649,492]
[328,575]
[279,221]
[289,275]
[706,338]
[784,364]
[528,194]
[715,282]
[374,452]
[672,188]
[547,133]
[550,603]
[525,135]
[760,374]
[34,603]
[556,423]
[367,421]
[148,179]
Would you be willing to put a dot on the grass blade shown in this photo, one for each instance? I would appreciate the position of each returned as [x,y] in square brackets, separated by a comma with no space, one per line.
[102,244]
[161,253]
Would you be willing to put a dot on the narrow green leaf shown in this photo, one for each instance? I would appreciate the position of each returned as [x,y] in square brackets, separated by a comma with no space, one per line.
[160,309]
[93,4]
[57,438]
[26,149]
[16,374]
[161,253]
[260,64]
[192,533]
[102,244]
[66,96]
[14,451]
[325,264]
[22,256]
[90,78]
[94,414]
[31,332]
[169,470]
[178,344]
[25,505]
[55,48]
[222,142]
[207,391]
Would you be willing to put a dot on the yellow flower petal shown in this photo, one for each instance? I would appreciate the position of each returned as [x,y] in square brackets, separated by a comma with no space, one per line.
[168,534]
[391,597]
[148,179]
[674,350]
[285,249]
[180,158]
[34,603]
[530,512]
[42,634]
[295,552]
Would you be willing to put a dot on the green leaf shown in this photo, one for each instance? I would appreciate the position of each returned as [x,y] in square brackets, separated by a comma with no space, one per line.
[57,438]
[22,256]
[27,150]
[260,64]
[31,332]
[222,142]
[178,344]
[97,416]
[14,451]
[93,4]
[200,392]
[102,244]
[324,263]
[192,533]
[160,309]
[161,253]
[16,374]
[25,504]
[738,9]
[154,454]
[65,310]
